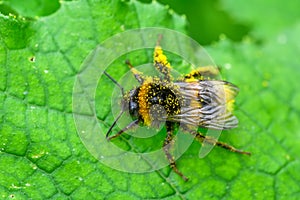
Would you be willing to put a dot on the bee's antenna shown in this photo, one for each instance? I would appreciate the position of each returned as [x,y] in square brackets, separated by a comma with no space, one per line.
[115,82]
[111,127]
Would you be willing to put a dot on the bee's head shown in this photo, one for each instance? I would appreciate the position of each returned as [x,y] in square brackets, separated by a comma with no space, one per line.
[130,103]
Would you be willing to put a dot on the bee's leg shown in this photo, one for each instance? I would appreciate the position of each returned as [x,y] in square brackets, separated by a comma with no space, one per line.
[231,148]
[161,62]
[167,145]
[128,127]
[213,141]
[203,73]
[137,74]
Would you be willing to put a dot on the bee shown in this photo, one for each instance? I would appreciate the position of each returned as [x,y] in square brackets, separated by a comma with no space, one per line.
[192,101]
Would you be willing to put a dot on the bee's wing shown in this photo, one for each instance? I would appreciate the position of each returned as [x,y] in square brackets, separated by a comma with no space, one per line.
[207,104]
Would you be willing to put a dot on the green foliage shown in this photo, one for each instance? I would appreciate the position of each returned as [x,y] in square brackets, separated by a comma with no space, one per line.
[207,20]
[29,8]
[41,155]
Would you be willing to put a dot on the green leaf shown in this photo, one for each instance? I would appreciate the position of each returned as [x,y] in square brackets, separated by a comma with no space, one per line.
[42,156]
[32,8]
[269,17]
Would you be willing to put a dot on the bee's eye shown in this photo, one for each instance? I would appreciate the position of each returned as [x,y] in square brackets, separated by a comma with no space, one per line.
[133,109]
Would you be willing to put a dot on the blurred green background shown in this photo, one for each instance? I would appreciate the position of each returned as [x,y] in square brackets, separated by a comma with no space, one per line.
[207,20]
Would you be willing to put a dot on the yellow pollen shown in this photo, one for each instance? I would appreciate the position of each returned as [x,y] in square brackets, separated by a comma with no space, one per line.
[143,102]
[159,57]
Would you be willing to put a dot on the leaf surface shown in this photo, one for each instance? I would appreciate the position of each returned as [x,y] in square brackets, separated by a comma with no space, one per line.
[42,156]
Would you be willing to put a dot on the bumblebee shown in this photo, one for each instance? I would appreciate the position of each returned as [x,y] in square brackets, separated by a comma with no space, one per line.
[192,101]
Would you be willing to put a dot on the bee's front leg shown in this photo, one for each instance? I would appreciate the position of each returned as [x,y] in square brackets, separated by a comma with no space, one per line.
[128,127]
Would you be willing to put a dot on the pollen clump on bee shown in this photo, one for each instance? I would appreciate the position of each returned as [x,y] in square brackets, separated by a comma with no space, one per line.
[143,102]
[159,57]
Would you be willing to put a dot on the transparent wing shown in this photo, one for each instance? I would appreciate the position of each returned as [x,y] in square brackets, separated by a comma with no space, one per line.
[207,104]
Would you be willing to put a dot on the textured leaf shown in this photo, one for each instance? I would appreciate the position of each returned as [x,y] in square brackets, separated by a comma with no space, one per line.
[41,155]
[32,8]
